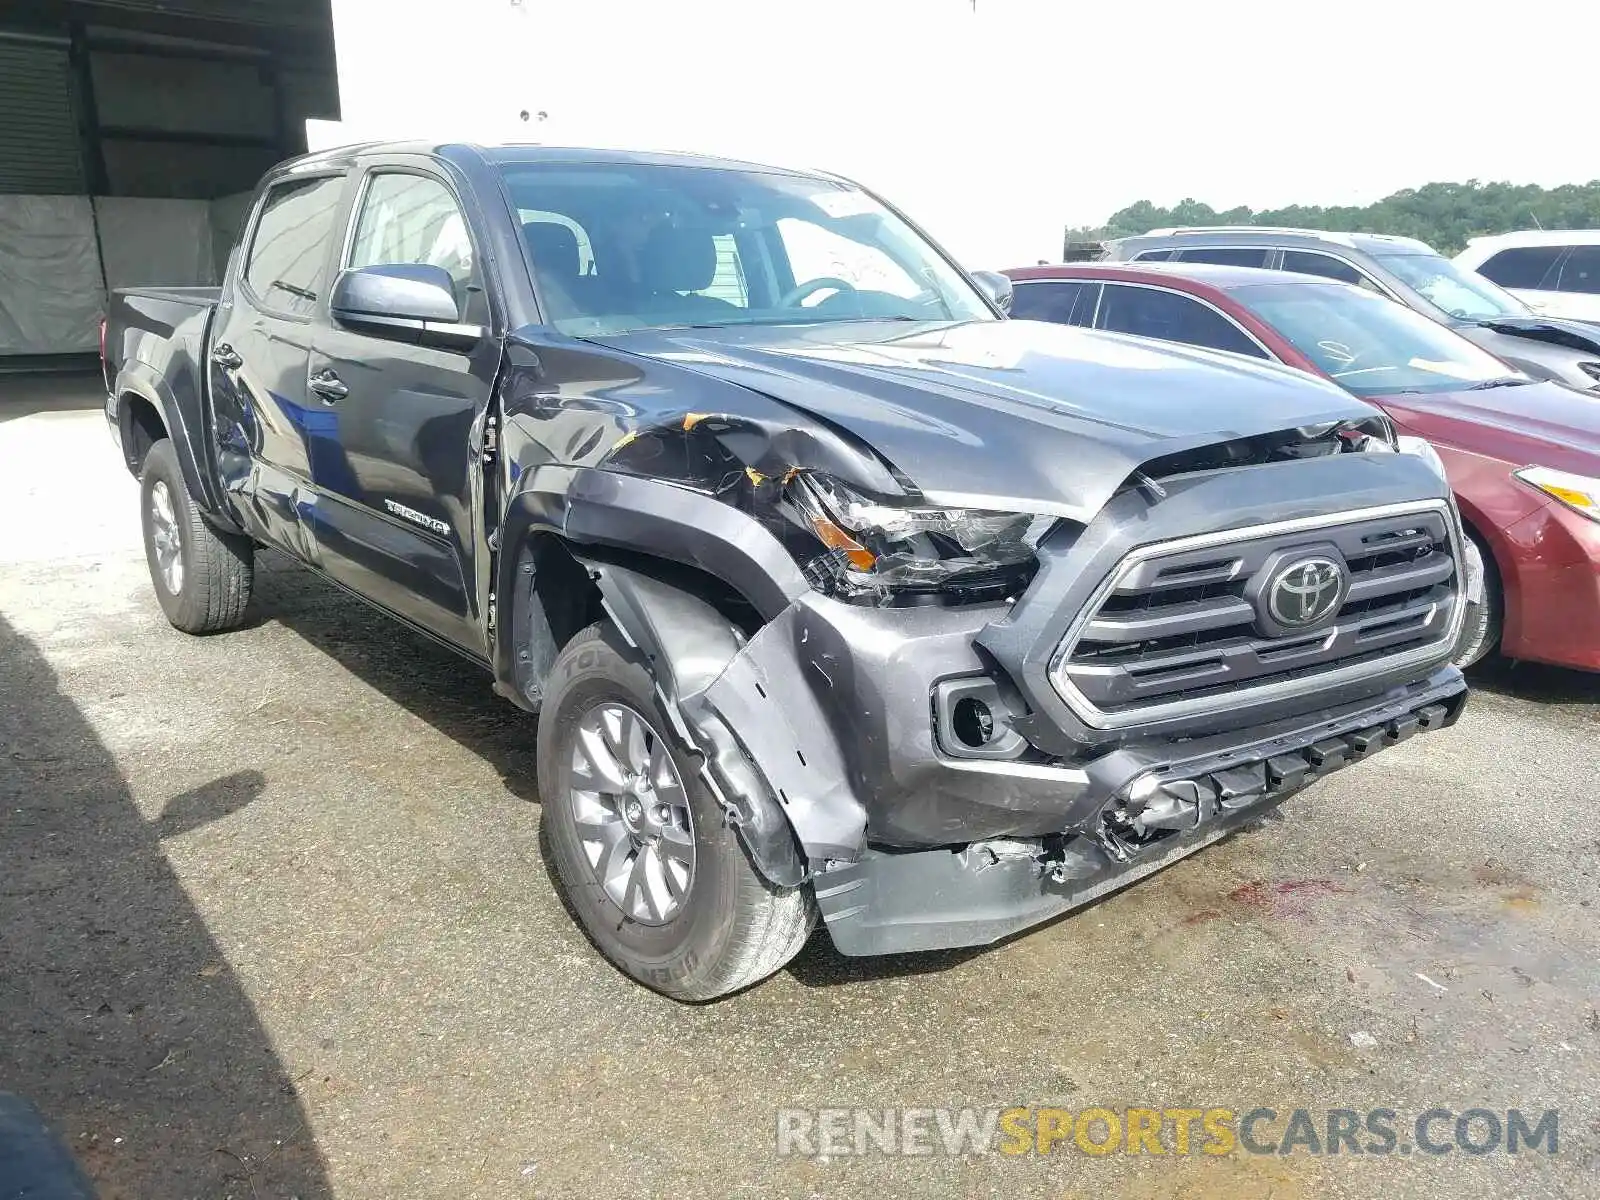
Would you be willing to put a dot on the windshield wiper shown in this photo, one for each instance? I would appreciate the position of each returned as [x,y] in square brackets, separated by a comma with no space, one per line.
[1500,381]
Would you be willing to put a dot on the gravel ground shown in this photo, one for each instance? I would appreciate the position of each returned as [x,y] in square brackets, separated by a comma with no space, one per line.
[274,921]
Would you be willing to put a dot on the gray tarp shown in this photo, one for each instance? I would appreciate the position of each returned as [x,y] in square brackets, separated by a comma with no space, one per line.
[51,291]
[155,242]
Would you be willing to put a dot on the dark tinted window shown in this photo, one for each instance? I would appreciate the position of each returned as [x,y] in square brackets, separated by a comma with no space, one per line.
[1309,262]
[1581,271]
[1150,312]
[1521,266]
[1153,256]
[1050,300]
[1225,256]
[285,267]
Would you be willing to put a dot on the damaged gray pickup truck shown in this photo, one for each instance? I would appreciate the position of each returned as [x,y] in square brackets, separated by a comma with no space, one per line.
[836,592]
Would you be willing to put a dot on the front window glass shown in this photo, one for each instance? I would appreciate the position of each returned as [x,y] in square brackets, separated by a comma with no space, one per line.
[1456,293]
[1154,313]
[1581,271]
[1311,262]
[412,219]
[671,246]
[1045,300]
[1369,345]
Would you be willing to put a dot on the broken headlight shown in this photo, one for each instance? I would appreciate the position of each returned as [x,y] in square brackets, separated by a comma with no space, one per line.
[868,548]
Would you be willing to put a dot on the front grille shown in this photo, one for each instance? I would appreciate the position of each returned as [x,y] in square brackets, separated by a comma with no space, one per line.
[1181,627]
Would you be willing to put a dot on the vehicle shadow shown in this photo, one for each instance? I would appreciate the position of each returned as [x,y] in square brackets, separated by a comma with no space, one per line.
[435,684]
[23,395]
[1535,681]
[120,1018]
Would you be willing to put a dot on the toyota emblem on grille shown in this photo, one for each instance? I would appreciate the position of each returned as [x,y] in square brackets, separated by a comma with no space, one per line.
[1306,591]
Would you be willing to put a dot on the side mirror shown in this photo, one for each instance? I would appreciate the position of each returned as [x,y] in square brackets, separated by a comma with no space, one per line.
[997,287]
[405,302]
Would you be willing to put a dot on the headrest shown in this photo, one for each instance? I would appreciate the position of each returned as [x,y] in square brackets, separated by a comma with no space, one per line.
[554,249]
[678,258]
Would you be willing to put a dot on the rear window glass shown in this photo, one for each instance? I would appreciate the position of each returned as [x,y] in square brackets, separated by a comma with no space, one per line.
[1521,266]
[1225,256]
[290,246]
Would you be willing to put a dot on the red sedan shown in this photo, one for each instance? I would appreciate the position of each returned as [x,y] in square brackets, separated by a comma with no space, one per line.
[1522,456]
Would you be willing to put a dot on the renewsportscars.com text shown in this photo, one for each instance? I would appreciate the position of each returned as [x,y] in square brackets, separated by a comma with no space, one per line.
[1100,1131]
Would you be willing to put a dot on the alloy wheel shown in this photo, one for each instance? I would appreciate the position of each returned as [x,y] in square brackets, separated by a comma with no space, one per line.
[632,813]
[164,533]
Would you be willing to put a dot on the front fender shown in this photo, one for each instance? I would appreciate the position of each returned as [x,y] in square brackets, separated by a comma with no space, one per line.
[687,646]
[606,510]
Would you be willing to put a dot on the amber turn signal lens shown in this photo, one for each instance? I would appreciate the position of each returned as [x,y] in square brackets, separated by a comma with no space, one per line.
[834,538]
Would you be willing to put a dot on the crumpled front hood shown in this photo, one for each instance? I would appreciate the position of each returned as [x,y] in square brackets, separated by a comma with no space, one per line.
[1008,414]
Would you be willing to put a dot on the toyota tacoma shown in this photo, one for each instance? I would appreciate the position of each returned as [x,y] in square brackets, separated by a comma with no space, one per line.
[836,592]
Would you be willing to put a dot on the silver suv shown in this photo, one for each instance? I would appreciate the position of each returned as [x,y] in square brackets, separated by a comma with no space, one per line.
[1403,269]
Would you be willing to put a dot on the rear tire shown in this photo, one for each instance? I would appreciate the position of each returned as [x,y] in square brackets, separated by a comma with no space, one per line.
[728,927]
[1480,632]
[202,578]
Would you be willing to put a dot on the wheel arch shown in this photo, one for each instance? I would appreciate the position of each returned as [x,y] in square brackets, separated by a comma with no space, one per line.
[685,621]
[564,524]
[146,406]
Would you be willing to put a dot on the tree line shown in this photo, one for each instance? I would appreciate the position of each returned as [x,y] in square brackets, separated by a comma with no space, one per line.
[1444,215]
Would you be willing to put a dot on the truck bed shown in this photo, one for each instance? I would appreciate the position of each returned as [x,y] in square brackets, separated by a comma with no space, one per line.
[154,324]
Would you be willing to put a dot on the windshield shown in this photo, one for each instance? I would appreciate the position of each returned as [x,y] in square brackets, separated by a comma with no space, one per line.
[1369,345]
[1464,295]
[620,246]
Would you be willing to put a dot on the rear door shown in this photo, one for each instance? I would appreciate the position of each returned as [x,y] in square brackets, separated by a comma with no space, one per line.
[267,436]
[399,504]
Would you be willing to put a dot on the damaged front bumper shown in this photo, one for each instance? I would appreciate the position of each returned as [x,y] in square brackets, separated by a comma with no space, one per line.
[892,901]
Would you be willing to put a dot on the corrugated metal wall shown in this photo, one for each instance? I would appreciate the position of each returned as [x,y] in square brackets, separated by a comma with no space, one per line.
[303,13]
[38,129]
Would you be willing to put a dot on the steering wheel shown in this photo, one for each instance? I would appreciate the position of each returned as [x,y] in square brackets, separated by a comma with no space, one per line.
[792,298]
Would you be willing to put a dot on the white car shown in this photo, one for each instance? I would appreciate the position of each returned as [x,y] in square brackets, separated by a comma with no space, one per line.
[1555,272]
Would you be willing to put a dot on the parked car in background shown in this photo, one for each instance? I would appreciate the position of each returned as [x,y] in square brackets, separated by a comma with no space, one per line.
[1404,270]
[1556,272]
[1523,456]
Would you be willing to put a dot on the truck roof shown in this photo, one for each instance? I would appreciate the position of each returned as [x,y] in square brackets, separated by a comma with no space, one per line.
[533,152]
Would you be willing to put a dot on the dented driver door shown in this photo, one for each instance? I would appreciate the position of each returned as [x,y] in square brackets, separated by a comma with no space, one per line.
[400,479]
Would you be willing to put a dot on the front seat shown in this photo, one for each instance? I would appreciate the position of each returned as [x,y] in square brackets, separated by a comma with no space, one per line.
[676,259]
[556,270]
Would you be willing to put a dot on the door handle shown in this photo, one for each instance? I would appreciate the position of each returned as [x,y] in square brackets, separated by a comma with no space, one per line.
[329,386]
[226,357]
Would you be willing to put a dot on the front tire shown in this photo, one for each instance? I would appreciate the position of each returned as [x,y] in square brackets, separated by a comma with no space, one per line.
[654,874]
[202,578]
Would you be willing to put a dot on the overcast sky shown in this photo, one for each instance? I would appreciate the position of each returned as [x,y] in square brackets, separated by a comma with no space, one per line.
[997,123]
